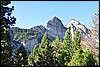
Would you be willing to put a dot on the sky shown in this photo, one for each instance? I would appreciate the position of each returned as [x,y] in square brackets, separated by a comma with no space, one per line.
[33,13]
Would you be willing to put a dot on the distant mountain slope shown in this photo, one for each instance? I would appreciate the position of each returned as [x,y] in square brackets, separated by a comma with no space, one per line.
[30,37]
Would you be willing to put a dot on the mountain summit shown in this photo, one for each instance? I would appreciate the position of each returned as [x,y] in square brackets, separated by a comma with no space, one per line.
[30,37]
[55,22]
[55,28]
[74,24]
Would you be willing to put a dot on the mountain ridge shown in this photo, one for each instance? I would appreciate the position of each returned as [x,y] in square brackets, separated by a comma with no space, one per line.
[54,27]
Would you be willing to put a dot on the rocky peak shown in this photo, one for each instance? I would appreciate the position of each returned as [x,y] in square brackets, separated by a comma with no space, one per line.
[54,18]
[74,24]
[54,21]
[55,28]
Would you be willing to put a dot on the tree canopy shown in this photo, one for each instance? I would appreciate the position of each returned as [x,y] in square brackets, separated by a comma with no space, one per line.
[6,21]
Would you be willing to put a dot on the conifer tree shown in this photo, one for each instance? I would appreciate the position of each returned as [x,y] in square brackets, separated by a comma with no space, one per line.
[49,56]
[21,57]
[42,51]
[6,21]
[56,46]
[33,57]
[82,58]
[40,56]
[77,59]
[76,41]
[67,48]
[89,58]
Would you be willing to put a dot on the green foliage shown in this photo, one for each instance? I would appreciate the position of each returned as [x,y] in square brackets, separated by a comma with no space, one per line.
[89,58]
[39,58]
[76,42]
[70,46]
[47,54]
[56,46]
[82,58]
[21,57]
[67,39]
[57,53]
[77,59]
[67,48]
[6,21]
[96,60]
[44,41]
[33,57]
[42,51]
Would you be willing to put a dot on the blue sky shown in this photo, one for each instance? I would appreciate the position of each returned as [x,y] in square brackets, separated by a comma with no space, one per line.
[32,13]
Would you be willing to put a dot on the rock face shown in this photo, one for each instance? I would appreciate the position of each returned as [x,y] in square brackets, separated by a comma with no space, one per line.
[29,44]
[30,37]
[41,29]
[55,28]
[74,24]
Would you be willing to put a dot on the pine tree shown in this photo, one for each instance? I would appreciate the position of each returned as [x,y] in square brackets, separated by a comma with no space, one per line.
[44,41]
[33,57]
[89,58]
[70,46]
[67,48]
[42,51]
[76,42]
[21,57]
[56,46]
[82,58]
[77,59]
[39,56]
[6,21]
[49,56]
